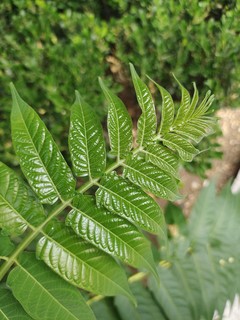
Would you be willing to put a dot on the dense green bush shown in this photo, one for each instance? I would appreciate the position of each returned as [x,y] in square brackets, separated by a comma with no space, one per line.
[199,40]
[47,48]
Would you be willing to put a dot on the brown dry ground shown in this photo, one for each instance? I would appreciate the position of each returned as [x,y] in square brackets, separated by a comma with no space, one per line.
[222,169]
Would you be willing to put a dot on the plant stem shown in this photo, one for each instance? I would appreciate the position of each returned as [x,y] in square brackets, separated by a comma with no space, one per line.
[36,231]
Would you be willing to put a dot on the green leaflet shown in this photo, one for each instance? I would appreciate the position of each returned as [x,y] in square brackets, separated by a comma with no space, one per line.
[147,308]
[162,157]
[6,245]
[147,123]
[10,308]
[82,264]
[86,143]
[204,105]
[43,294]
[110,233]
[119,124]
[193,103]
[186,108]
[150,178]
[195,133]
[19,207]
[168,110]
[129,201]
[184,148]
[41,162]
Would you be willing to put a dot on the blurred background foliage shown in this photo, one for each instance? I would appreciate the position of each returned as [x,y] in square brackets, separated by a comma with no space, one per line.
[49,48]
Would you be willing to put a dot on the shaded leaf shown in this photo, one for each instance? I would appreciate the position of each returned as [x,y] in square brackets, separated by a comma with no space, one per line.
[147,123]
[184,148]
[169,296]
[110,233]
[6,245]
[19,207]
[119,124]
[43,294]
[41,162]
[105,310]
[81,264]
[150,178]
[10,308]
[128,200]
[86,143]
[147,308]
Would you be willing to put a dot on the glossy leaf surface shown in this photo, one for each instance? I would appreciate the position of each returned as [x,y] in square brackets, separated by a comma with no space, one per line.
[185,108]
[19,207]
[86,143]
[167,110]
[147,123]
[41,161]
[43,294]
[119,124]
[110,233]
[129,201]
[162,157]
[10,308]
[82,264]
[184,148]
[150,178]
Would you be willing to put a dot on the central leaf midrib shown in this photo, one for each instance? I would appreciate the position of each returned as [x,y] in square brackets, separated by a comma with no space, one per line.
[86,141]
[143,115]
[112,104]
[4,314]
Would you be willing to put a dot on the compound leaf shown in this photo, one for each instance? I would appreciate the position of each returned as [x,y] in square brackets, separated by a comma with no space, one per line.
[43,294]
[41,161]
[80,263]
[119,124]
[19,207]
[131,202]
[110,233]
[86,143]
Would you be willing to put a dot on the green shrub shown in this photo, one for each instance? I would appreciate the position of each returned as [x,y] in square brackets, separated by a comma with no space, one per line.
[81,235]
[48,48]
